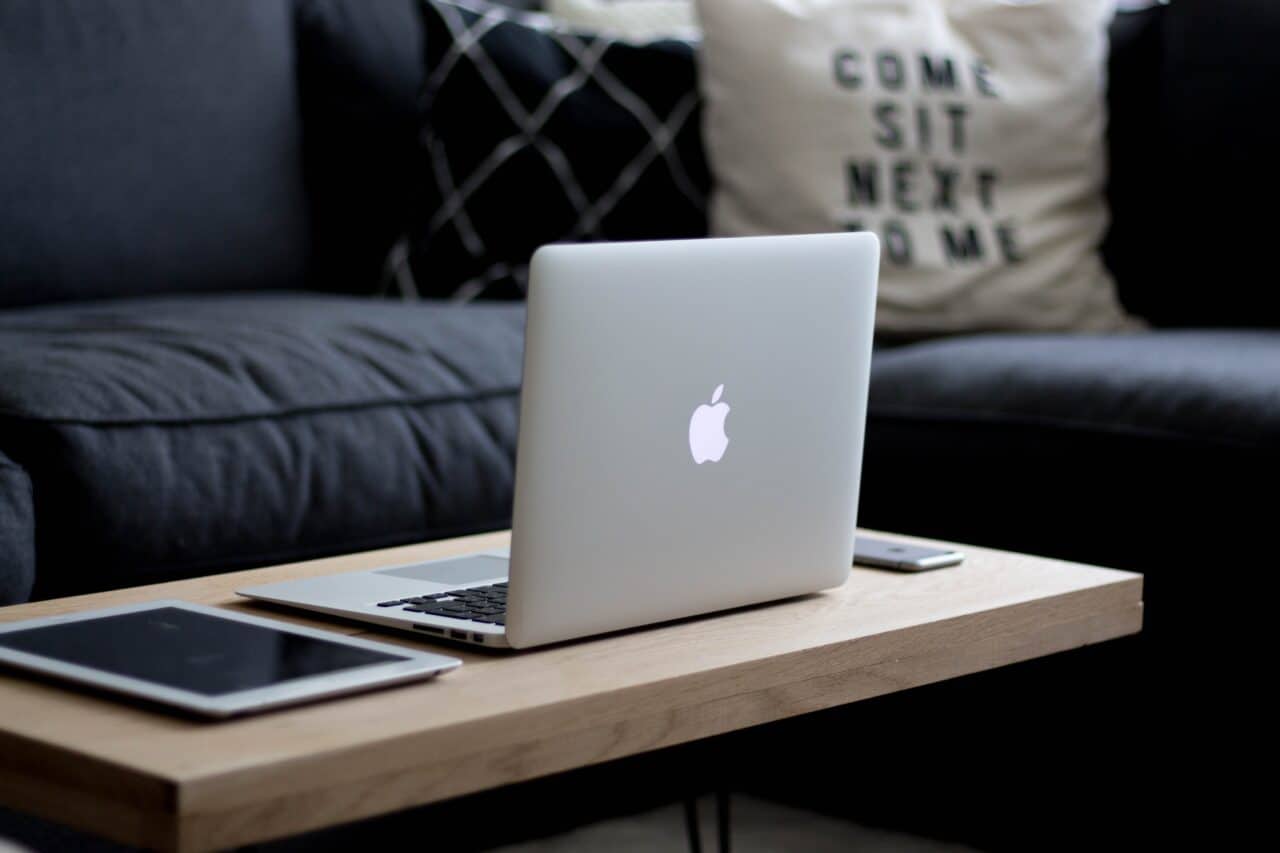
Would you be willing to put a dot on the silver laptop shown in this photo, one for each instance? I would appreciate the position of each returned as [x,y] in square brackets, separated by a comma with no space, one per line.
[690,440]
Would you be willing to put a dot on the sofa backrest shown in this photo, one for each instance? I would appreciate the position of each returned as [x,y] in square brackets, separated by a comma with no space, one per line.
[149,146]
[360,70]
[185,145]
[1194,138]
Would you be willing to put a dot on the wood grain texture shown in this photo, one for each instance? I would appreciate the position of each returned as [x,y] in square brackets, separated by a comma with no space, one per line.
[147,778]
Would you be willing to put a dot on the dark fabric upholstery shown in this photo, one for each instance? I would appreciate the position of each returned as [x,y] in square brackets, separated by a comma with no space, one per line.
[1144,452]
[1133,146]
[148,147]
[1211,387]
[17,534]
[1193,154]
[171,437]
[360,71]
[1153,453]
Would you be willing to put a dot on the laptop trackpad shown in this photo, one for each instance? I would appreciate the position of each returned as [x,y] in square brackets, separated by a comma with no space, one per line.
[463,570]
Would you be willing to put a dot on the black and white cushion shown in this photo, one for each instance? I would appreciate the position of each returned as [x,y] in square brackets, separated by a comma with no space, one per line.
[537,133]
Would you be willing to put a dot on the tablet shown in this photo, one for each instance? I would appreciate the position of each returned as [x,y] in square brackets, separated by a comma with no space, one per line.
[207,660]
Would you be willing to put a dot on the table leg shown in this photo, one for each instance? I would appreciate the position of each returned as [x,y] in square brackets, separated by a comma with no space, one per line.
[691,830]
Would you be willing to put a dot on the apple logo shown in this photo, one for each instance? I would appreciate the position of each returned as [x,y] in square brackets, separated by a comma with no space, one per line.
[707,440]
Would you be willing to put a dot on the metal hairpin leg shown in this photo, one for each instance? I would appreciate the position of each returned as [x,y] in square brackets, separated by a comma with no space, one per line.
[691,825]
[722,820]
[691,831]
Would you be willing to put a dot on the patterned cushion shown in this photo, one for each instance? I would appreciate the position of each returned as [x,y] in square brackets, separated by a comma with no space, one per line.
[537,133]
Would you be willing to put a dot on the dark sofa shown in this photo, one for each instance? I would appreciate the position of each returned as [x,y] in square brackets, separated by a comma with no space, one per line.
[196,373]
[199,371]
[195,201]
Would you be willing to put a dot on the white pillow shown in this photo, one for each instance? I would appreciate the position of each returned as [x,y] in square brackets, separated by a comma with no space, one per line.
[969,134]
[632,19]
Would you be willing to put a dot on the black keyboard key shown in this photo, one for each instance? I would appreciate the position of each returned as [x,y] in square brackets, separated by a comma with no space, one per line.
[484,604]
[389,603]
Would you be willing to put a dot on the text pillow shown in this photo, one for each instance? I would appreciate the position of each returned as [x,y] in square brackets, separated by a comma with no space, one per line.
[968,134]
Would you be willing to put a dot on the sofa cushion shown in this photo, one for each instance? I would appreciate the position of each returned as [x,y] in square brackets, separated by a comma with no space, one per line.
[360,74]
[1133,144]
[1220,388]
[166,437]
[1193,153]
[534,132]
[148,147]
[1144,451]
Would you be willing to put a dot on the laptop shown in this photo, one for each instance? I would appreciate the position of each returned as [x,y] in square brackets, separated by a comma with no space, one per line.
[691,429]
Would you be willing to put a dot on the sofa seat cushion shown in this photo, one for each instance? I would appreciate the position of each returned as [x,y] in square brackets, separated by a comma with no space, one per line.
[1143,451]
[167,437]
[1209,387]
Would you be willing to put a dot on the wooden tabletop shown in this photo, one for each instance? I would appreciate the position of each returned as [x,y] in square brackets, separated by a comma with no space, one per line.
[146,778]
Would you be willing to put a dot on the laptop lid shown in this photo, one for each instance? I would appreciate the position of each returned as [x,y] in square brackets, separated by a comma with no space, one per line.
[691,428]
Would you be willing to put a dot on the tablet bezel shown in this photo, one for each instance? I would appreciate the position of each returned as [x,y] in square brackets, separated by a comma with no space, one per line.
[417,665]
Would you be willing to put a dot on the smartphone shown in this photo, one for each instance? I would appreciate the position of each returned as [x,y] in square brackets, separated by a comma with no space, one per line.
[901,556]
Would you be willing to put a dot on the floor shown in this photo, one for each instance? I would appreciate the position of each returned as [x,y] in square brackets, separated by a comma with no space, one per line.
[758,827]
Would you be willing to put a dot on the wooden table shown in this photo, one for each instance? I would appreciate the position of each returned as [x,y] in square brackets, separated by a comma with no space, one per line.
[153,780]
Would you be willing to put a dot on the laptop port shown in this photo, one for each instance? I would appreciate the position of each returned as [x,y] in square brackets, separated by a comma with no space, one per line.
[458,635]
[430,629]
[478,637]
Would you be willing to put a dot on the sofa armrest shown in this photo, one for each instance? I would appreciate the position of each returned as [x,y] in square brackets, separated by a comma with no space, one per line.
[17,534]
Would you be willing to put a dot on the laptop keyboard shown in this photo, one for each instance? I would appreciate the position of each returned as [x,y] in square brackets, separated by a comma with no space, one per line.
[484,604]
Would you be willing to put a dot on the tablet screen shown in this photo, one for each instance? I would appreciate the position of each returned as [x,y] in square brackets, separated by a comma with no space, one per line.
[193,651]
